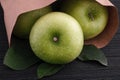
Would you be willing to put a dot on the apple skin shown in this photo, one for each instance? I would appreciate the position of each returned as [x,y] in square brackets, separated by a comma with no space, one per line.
[56,38]
[92,16]
[26,20]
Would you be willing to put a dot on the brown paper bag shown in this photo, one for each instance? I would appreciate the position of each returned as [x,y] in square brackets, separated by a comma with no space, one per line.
[12,9]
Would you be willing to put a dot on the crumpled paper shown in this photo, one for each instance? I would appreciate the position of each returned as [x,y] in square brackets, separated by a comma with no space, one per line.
[12,9]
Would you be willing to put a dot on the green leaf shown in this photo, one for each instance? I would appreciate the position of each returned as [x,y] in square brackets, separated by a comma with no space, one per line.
[46,69]
[20,56]
[91,52]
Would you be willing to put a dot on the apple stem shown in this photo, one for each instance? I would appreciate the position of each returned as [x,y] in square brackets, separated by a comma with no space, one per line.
[91,16]
[55,39]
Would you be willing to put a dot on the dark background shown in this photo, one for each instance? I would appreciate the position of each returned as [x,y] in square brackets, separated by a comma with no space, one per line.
[74,71]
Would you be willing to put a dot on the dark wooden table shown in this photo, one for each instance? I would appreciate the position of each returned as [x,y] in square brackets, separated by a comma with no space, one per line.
[73,71]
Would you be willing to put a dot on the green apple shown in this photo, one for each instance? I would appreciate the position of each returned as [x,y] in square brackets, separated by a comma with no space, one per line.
[91,15]
[56,38]
[26,20]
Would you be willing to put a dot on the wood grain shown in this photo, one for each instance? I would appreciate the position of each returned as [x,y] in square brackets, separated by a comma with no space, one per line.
[74,71]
